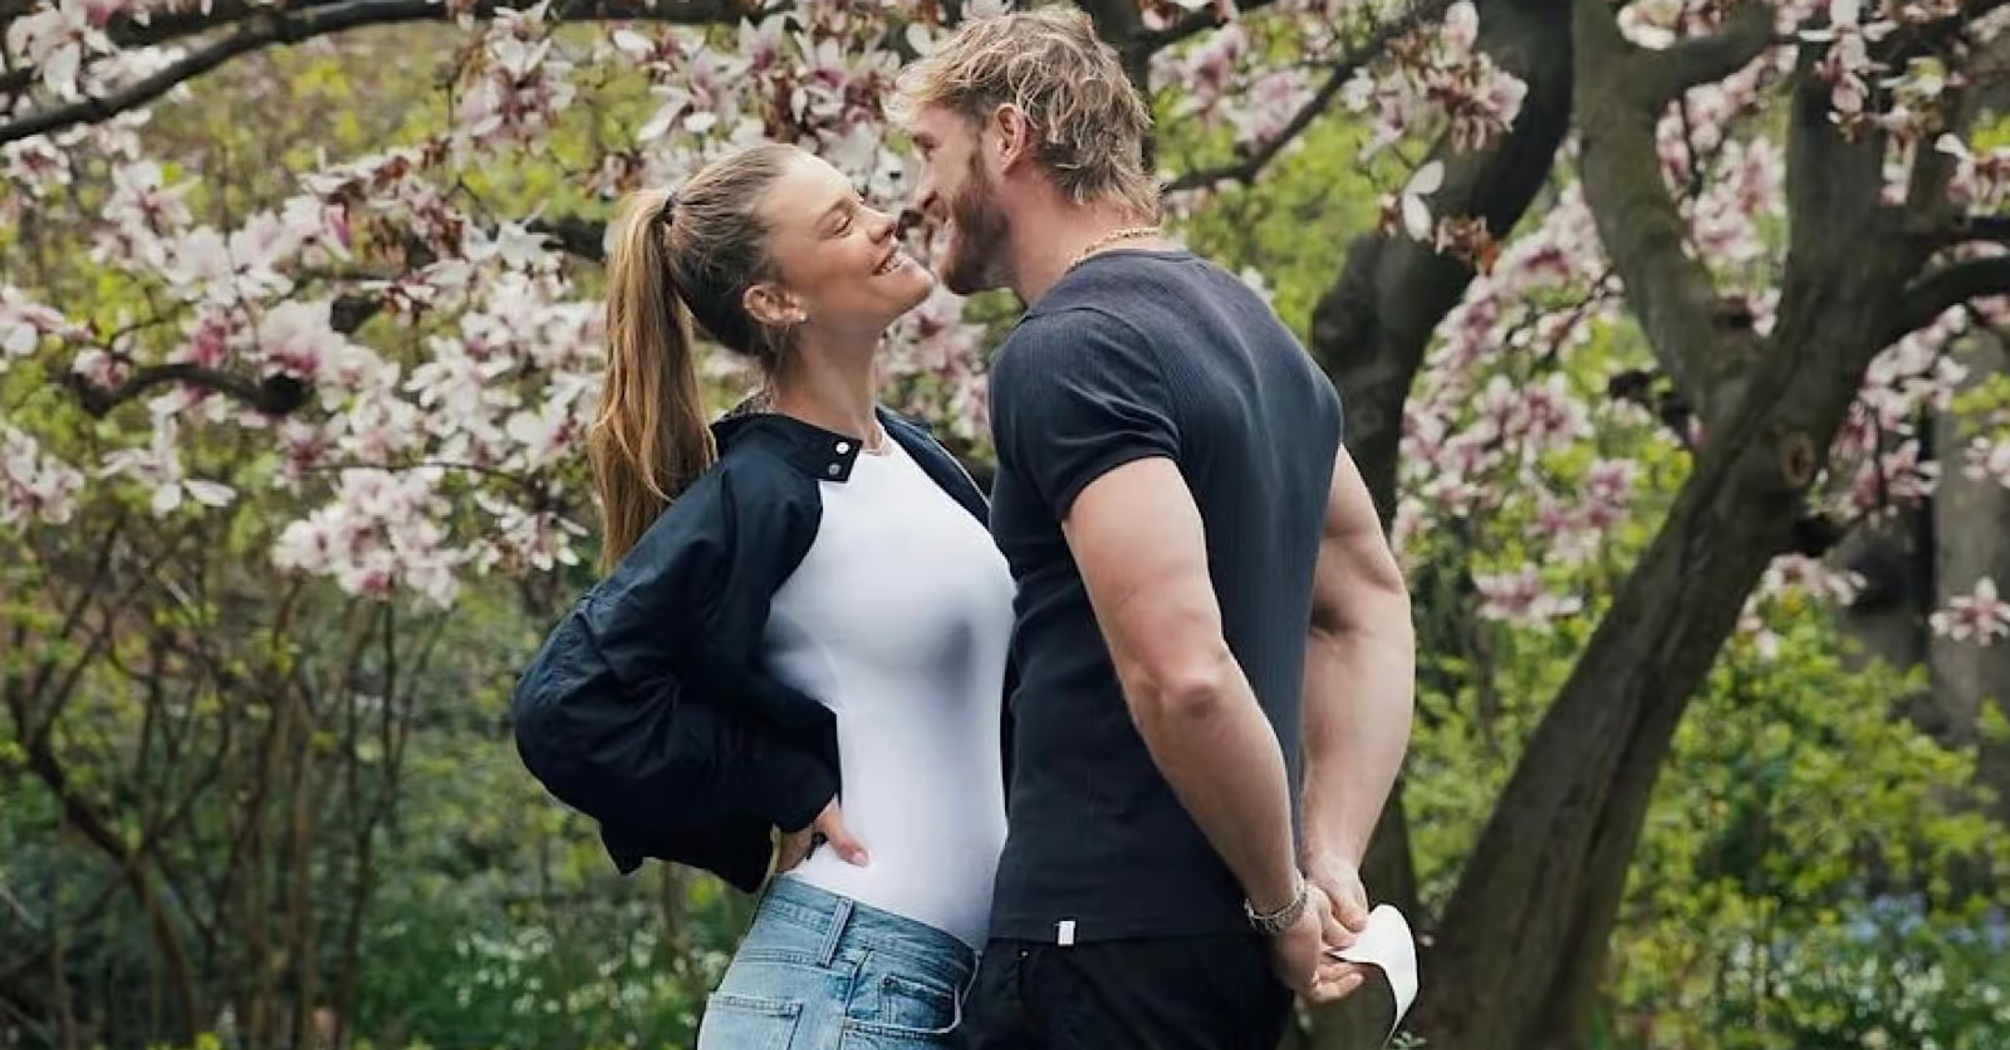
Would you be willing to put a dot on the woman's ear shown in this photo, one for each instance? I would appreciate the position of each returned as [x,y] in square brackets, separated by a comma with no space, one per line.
[772,306]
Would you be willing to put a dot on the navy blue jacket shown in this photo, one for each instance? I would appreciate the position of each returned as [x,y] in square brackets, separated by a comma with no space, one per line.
[647,707]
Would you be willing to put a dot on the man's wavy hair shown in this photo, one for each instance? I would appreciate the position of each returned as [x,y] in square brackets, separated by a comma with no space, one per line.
[1089,123]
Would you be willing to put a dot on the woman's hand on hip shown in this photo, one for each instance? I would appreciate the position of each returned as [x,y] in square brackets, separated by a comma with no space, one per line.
[827,828]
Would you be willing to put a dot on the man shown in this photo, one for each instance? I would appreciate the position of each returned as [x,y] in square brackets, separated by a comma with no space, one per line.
[1208,614]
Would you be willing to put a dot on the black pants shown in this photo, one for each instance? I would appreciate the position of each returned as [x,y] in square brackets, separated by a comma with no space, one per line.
[1174,993]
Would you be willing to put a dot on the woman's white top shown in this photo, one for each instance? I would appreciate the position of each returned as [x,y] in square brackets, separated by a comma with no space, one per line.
[898,620]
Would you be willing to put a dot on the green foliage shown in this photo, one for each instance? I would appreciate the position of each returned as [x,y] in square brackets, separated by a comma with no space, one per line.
[458,975]
[1290,232]
[1985,406]
[1796,809]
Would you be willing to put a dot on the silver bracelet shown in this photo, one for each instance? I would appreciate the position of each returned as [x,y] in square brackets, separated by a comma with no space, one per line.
[1274,923]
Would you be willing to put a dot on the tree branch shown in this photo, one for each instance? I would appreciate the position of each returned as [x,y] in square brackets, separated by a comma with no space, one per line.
[1745,35]
[268,27]
[1698,342]
[1928,204]
[1420,13]
[272,395]
[1946,288]
[1916,39]
[1968,228]
[576,236]
[1116,22]
[1196,22]
[161,27]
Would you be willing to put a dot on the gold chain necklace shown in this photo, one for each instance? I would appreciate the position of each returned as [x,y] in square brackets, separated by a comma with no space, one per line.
[1108,239]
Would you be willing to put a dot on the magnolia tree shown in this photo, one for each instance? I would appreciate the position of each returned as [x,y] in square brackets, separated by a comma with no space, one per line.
[1783,207]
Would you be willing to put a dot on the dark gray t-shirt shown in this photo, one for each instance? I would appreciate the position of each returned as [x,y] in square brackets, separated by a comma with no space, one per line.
[1138,354]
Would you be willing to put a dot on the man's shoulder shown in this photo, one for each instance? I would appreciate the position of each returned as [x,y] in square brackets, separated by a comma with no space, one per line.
[1053,336]
[1073,318]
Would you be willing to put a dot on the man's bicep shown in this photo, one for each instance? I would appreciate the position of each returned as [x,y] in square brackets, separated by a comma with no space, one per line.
[1354,553]
[1137,538]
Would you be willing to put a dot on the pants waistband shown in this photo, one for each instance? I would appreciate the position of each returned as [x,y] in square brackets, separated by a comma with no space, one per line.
[837,922]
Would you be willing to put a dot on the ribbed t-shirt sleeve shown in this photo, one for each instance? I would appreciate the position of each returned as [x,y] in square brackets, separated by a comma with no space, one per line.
[1074,395]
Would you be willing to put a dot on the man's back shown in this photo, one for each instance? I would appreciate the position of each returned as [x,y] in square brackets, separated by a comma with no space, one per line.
[1139,354]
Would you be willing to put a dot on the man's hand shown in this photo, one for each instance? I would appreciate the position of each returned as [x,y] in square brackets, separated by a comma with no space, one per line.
[828,826]
[1340,880]
[1299,956]
[1346,914]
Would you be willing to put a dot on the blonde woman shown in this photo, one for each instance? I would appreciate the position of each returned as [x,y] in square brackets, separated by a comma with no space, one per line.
[804,622]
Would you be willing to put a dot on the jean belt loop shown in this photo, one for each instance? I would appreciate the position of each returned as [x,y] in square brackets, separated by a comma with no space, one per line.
[840,917]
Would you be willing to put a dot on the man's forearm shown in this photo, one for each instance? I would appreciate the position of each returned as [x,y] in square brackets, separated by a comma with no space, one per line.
[1221,757]
[1359,693]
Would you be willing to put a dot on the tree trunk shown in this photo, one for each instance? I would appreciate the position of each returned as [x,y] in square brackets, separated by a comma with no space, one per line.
[1371,329]
[1518,956]
[1370,332]
[1969,544]
[1524,936]
[1895,560]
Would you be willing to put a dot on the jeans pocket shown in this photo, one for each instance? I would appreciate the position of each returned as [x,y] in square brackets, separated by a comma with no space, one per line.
[745,1022]
[902,1013]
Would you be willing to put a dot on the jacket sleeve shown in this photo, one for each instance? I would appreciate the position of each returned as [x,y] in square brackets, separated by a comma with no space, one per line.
[646,708]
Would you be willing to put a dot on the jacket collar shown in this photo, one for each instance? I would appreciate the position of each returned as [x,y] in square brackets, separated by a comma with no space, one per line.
[823,455]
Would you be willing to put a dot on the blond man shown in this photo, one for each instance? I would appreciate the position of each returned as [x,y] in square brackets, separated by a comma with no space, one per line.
[1212,637]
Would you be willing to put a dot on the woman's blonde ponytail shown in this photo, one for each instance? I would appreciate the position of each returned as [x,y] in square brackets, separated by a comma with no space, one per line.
[650,439]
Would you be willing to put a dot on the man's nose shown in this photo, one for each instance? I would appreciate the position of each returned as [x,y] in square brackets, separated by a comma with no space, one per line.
[926,199]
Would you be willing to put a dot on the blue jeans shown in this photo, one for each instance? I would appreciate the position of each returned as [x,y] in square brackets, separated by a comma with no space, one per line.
[822,972]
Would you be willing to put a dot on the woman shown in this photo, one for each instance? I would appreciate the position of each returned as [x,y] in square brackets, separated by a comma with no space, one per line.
[802,604]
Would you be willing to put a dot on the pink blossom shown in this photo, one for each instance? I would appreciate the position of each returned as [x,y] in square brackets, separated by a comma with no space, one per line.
[547,436]
[34,486]
[525,540]
[56,40]
[1608,491]
[1894,478]
[1653,24]
[1521,598]
[1979,615]
[1439,71]
[1989,459]
[1752,630]
[1208,69]
[303,447]
[1810,577]
[36,165]
[158,468]
[1462,27]
[24,324]
[379,535]
[514,91]
[379,427]
[1272,101]
[1561,530]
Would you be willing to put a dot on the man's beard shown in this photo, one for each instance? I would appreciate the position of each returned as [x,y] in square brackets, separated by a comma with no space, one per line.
[977,261]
